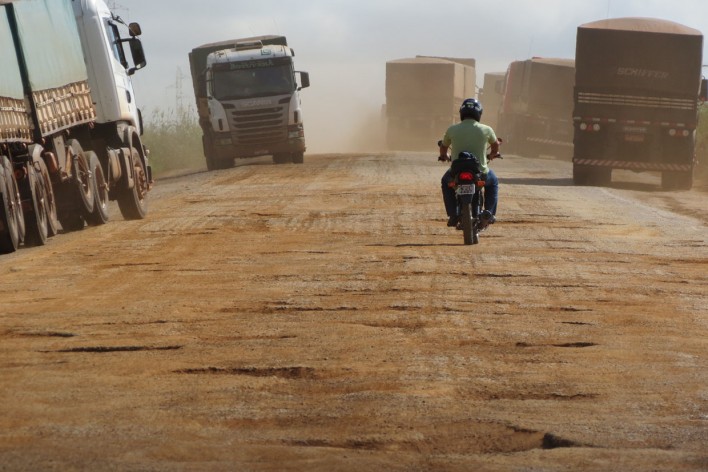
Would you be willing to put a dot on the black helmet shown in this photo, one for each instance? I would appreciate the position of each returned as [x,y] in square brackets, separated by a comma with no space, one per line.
[471,108]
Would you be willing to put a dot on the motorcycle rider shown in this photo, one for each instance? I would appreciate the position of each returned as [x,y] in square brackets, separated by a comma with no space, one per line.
[474,137]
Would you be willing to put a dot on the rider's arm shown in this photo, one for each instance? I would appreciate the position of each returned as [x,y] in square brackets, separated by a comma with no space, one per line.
[494,147]
[443,151]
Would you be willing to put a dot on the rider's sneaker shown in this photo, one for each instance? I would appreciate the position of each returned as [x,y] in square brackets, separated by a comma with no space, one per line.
[452,221]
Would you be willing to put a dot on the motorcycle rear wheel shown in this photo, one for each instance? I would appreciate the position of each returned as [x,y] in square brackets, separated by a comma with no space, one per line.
[466,223]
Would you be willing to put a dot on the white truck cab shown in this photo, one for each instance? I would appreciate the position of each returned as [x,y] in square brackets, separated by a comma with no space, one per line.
[250,105]
[107,63]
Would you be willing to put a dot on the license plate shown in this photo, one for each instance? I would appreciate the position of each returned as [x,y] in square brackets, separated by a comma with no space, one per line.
[634,138]
[465,190]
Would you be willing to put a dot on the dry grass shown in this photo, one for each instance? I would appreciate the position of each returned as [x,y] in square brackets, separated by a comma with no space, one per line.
[174,139]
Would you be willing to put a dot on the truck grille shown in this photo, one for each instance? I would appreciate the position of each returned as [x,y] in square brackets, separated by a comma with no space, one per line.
[636,101]
[259,127]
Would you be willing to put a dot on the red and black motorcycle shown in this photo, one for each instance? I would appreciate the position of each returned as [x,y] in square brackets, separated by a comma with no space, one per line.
[468,183]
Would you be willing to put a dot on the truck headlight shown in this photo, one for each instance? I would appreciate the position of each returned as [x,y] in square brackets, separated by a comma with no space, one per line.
[296,131]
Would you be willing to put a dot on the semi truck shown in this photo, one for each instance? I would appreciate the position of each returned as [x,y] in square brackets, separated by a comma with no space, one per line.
[537,108]
[423,97]
[69,123]
[248,100]
[637,88]
[491,96]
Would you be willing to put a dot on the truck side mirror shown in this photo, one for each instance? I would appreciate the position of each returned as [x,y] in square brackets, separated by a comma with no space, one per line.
[304,79]
[134,29]
[703,95]
[136,50]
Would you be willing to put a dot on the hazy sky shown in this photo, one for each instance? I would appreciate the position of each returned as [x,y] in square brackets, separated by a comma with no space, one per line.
[344,45]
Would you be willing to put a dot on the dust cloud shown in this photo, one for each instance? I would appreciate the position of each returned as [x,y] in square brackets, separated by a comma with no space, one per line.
[342,109]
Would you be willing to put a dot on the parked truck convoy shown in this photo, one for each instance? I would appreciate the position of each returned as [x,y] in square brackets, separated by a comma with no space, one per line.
[248,100]
[536,111]
[636,99]
[423,96]
[69,123]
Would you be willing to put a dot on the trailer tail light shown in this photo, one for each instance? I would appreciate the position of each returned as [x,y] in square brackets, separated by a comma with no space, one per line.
[466,177]
[595,127]
[674,133]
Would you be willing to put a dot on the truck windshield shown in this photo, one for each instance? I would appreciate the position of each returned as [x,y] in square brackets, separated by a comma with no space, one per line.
[252,82]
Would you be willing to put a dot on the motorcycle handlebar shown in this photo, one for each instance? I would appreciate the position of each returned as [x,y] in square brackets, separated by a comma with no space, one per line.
[489,156]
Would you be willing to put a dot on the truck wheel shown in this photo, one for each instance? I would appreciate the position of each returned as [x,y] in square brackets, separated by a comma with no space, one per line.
[50,203]
[36,221]
[71,221]
[298,157]
[218,164]
[11,210]
[466,223]
[282,158]
[99,215]
[677,180]
[82,179]
[602,176]
[133,201]
[581,175]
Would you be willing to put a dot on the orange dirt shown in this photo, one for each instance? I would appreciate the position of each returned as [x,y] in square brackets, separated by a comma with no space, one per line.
[323,317]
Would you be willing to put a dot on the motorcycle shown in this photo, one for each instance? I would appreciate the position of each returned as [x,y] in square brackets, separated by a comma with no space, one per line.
[468,183]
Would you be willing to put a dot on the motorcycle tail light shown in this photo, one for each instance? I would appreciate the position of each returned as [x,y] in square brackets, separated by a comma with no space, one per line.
[466,176]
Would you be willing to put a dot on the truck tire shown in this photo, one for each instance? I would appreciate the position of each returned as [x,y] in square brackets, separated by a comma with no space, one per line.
[282,158]
[51,204]
[581,175]
[99,215]
[602,176]
[218,164]
[588,175]
[466,223]
[677,180]
[132,202]
[36,221]
[298,157]
[82,179]
[10,209]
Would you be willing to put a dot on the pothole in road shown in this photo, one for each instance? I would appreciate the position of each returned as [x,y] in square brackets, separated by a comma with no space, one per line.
[295,372]
[105,349]
[579,344]
[480,439]
[575,344]
[49,334]
[551,441]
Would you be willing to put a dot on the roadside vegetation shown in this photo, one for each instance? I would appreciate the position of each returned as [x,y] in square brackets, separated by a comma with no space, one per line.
[174,139]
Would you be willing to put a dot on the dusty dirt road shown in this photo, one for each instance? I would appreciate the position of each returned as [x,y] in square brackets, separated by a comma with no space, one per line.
[323,317]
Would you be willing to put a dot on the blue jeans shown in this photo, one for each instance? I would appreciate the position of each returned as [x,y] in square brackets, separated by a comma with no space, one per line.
[491,193]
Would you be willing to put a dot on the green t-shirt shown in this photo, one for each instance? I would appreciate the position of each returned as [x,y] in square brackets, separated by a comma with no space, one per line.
[470,136]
